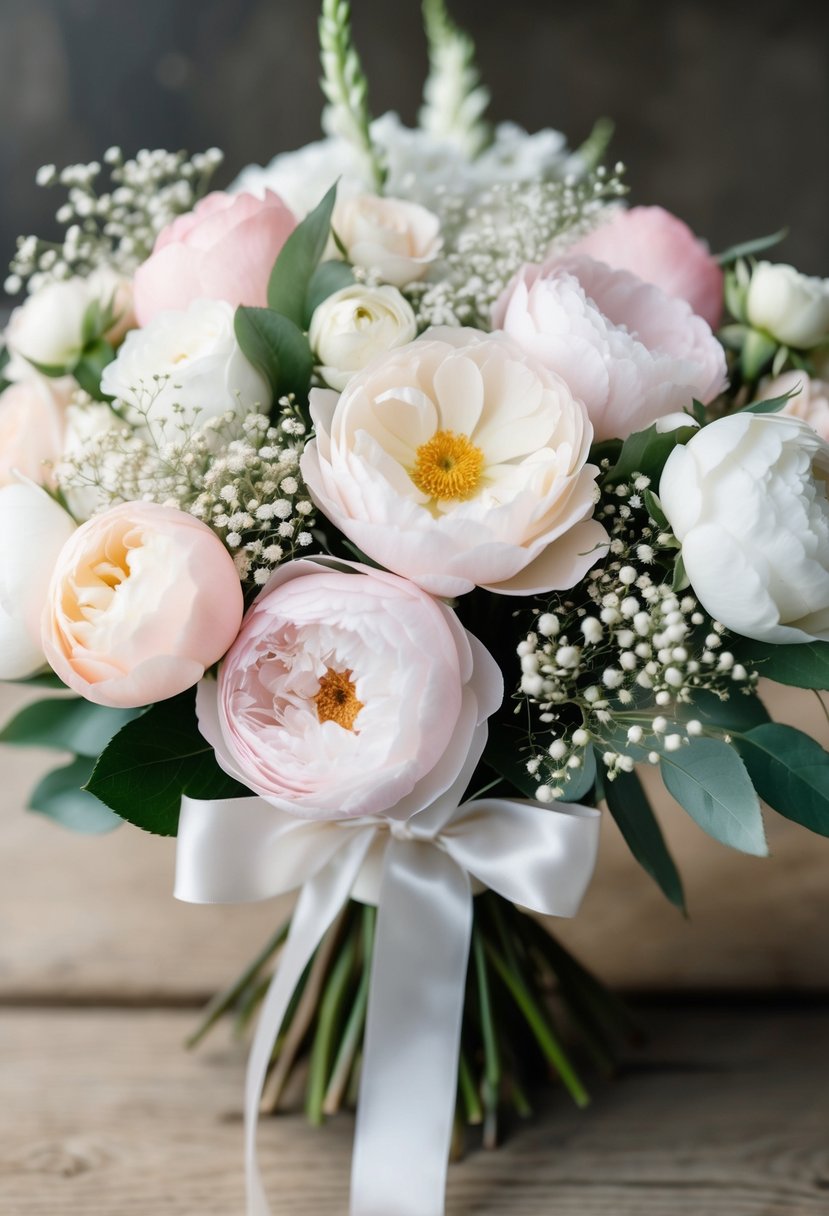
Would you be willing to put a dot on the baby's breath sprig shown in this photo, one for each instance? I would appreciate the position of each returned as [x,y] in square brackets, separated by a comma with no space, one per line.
[345,86]
[618,667]
[513,223]
[113,226]
[454,100]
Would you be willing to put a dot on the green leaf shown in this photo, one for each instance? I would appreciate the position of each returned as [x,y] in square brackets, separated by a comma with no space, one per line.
[710,781]
[580,781]
[628,804]
[44,679]
[288,288]
[89,368]
[60,796]
[680,577]
[504,756]
[747,248]
[654,509]
[277,347]
[773,406]
[591,153]
[68,724]
[758,351]
[156,759]
[804,665]
[327,278]
[740,712]
[790,772]
[646,452]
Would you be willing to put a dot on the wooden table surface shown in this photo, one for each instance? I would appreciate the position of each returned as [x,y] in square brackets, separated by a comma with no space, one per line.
[725,1112]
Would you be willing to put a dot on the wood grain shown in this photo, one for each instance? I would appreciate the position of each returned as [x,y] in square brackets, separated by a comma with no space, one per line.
[93,919]
[725,1114]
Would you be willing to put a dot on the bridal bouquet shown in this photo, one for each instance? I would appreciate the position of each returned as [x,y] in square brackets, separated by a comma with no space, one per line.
[371,525]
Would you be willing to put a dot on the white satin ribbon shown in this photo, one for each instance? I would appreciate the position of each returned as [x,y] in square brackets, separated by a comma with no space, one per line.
[539,857]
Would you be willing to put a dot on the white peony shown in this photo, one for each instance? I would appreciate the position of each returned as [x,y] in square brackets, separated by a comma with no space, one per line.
[792,307]
[33,530]
[396,239]
[747,499]
[354,325]
[456,461]
[183,369]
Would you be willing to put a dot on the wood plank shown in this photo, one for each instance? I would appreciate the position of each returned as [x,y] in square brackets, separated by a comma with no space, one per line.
[93,918]
[724,1113]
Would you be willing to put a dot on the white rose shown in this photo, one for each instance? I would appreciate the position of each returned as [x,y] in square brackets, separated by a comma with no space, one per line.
[33,530]
[355,324]
[48,327]
[792,307]
[183,369]
[746,497]
[396,239]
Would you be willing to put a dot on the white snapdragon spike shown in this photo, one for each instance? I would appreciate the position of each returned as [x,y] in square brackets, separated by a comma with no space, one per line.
[33,530]
[792,307]
[185,368]
[458,460]
[354,325]
[747,499]
[631,353]
[348,692]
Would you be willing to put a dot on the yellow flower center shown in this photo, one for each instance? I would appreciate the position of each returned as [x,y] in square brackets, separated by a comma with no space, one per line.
[336,700]
[449,466]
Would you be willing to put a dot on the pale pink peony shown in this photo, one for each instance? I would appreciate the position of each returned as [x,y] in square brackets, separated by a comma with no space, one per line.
[810,400]
[32,428]
[349,692]
[623,347]
[143,600]
[222,250]
[459,460]
[661,249]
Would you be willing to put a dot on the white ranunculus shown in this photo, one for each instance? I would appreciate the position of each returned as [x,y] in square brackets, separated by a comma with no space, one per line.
[747,499]
[33,530]
[355,324]
[792,307]
[47,328]
[396,239]
[183,369]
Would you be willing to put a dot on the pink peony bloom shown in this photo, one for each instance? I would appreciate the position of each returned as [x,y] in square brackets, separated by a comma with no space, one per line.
[349,692]
[222,250]
[659,248]
[810,400]
[456,461]
[32,428]
[623,347]
[142,601]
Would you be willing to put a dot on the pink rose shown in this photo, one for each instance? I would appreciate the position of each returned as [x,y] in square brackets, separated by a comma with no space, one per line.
[222,250]
[349,692]
[142,601]
[661,249]
[810,399]
[623,347]
[32,427]
[458,460]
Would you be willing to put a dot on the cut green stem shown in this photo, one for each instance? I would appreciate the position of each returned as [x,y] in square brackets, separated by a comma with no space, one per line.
[327,1021]
[223,1001]
[352,1036]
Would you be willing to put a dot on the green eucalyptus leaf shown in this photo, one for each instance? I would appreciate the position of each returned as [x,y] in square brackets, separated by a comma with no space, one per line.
[299,257]
[60,796]
[790,772]
[750,248]
[646,452]
[326,279]
[277,348]
[710,781]
[156,759]
[628,804]
[67,724]
[580,781]
[740,712]
[504,751]
[803,665]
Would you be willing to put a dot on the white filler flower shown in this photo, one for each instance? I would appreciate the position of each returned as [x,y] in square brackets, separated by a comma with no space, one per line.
[747,498]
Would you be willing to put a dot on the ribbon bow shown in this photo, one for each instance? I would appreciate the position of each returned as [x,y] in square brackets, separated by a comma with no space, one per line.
[419,872]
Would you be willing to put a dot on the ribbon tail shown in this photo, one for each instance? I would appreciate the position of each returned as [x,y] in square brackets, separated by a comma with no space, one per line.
[410,1063]
[322,898]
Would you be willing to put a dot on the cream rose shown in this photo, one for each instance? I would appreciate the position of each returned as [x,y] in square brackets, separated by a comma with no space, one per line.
[355,324]
[142,601]
[792,307]
[33,530]
[349,692]
[32,428]
[183,369]
[747,499]
[459,460]
[396,239]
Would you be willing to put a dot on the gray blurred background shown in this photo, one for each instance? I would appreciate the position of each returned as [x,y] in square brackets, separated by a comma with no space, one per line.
[722,109]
